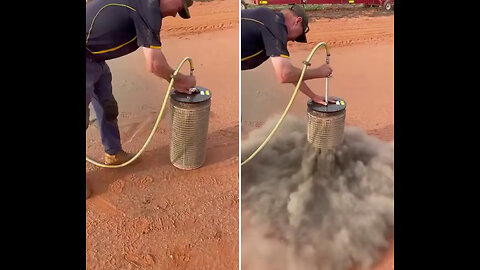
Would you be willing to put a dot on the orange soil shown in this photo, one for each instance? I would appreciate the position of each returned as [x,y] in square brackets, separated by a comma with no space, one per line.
[151,215]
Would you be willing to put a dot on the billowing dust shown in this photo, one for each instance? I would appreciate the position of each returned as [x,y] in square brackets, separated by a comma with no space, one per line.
[309,210]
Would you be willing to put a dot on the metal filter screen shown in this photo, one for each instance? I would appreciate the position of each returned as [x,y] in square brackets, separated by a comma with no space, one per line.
[325,129]
[188,136]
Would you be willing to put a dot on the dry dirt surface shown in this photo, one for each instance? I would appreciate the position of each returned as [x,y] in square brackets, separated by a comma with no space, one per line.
[361,43]
[151,215]
[207,15]
[349,26]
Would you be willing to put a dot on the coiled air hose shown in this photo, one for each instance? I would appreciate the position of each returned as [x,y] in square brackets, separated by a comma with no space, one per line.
[165,100]
[306,63]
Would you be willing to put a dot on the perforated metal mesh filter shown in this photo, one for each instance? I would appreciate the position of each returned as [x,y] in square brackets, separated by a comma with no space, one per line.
[325,128]
[188,136]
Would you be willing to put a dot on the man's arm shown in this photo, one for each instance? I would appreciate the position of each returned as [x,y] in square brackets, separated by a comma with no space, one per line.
[306,90]
[287,73]
[157,64]
[316,98]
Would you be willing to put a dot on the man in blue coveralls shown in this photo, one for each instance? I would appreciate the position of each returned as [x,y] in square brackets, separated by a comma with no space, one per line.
[265,34]
[114,29]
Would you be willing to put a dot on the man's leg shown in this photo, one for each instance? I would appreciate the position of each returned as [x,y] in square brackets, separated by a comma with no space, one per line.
[106,109]
[92,72]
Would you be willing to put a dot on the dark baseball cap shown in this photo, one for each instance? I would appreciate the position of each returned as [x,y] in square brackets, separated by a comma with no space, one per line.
[184,13]
[300,11]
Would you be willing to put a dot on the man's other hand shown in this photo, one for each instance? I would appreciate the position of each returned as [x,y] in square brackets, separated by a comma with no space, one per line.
[321,100]
[183,83]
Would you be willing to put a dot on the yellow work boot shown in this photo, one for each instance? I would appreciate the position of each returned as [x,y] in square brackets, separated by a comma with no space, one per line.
[116,159]
[88,192]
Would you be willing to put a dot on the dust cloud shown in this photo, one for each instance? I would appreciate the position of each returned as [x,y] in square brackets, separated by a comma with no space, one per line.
[302,209]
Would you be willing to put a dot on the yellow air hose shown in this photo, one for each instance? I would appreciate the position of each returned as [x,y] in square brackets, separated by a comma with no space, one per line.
[306,63]
[167,95]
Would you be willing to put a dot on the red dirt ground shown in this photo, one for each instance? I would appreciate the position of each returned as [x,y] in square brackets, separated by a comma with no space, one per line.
[151,215]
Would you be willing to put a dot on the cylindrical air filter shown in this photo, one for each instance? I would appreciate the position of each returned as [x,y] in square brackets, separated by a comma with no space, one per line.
[189,128]
[326,124]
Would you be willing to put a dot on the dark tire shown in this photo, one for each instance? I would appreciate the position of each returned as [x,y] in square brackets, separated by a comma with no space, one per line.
[244,5]
[388,6]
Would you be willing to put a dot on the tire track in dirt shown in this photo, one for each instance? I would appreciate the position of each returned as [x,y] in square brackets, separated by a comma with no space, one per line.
[206,16]
[196,29]
[164,216]
[348,31]
[151,218]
